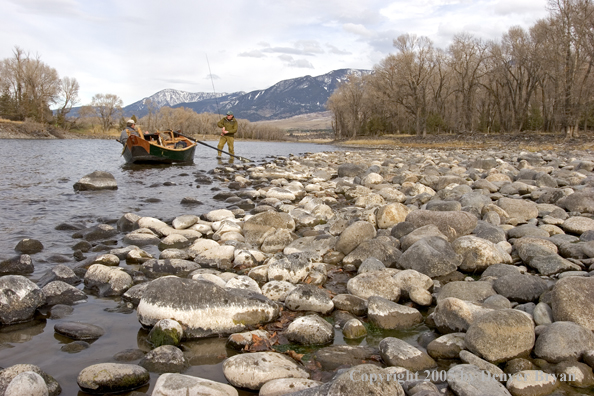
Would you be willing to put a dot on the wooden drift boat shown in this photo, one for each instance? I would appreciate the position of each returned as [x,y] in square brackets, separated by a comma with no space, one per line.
[161,147]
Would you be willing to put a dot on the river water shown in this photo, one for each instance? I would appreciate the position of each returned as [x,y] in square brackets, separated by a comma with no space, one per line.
[36,195]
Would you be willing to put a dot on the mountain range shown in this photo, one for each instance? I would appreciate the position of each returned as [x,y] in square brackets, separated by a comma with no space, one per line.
[287,98]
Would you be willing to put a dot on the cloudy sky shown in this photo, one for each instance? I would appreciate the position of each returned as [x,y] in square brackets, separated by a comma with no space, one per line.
[134,48]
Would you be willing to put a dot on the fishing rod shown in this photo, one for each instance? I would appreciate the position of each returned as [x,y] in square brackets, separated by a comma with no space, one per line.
[213,87]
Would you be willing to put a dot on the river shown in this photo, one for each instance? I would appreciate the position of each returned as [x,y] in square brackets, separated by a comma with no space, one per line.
[36,195]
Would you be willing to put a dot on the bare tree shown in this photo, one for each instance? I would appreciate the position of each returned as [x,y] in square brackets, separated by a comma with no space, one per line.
[108,108]
[69,97]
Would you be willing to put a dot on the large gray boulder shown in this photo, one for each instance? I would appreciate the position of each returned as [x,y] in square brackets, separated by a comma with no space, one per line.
[521,288]
[309,298]
[107,281]
[520,209]
[573,300]
[19,298]
[501,335]
[386,314]
[353,235]
[580,201]
[563,341]
[432,256]
[97,180]
[382,250]
[453,315]
[377,283]
[203,308]
[452,224]
[112,378]
[468,291]
[478,254]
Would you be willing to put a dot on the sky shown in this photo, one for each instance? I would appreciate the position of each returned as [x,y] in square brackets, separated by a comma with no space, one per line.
[135,48]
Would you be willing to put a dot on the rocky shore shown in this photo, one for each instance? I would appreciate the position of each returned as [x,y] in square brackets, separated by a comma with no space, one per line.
[492,250]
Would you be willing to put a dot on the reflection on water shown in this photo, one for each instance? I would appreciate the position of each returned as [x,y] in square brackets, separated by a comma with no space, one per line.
[22,332]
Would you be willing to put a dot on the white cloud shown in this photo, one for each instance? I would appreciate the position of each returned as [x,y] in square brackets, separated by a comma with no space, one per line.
[135,48]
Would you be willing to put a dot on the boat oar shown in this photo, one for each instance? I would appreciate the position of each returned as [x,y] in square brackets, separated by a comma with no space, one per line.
[208,145]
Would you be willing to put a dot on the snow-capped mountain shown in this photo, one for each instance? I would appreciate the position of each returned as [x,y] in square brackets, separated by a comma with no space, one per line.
[170,98]
[287,98]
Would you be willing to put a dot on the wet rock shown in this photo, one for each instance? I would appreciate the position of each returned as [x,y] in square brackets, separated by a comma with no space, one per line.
[432,256]
[386,314]
[59,273]
[29,246]
[253,370]
[309,298]
[340,356]
[164,359]
[575,374]
[107,281]
[18,265]
[126,223]
[60,311]
[310,330]
[354,329]
[75,347]
[171,384]
[19,298]
[97,233]
[10,373]
[112,378]
[240,341]
[565,295]
[562,341]
[58,292]
[396,352]
[501,335]
[166,332]
[129,355]
[79,331]
[203,308]
[98,180]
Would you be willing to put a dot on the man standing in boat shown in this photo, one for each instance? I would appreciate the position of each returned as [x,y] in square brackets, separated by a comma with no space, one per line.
[229,128]
[129,130]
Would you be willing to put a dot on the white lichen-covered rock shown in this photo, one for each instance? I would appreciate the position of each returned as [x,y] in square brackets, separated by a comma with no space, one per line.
[253,370]
[478,253]
[28,383]
[203,308]
[277,290]
[19,298]
[173,384]
[107,281]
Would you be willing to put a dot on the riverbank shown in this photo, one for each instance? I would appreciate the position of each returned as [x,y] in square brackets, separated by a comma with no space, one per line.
[427,262]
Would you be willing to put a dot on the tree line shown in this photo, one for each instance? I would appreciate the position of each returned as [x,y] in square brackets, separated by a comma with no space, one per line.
[535,79]
[28,87]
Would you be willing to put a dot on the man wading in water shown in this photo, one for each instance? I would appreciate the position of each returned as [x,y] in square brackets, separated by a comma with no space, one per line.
[229,125]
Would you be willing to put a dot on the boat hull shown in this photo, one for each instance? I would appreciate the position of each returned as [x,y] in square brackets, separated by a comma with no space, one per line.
[138,150]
